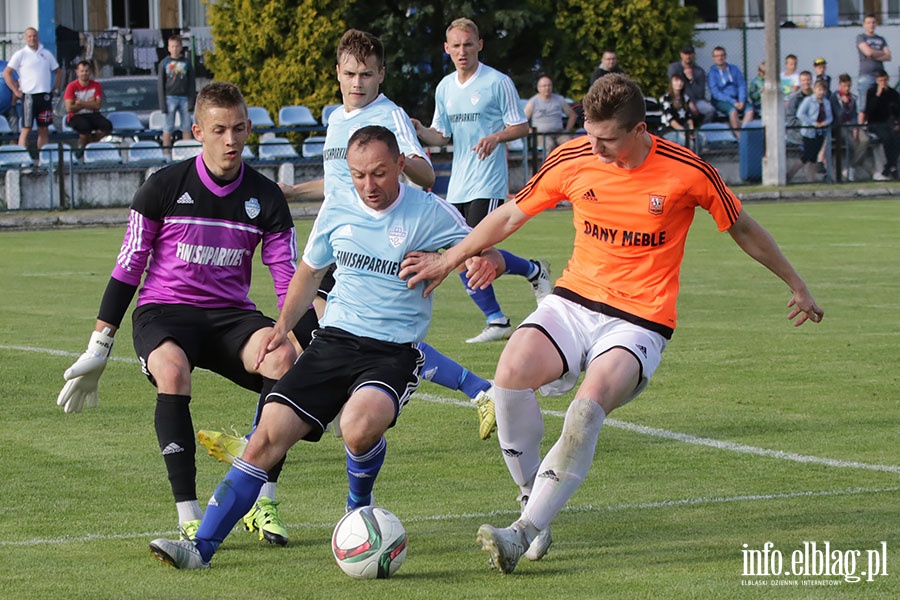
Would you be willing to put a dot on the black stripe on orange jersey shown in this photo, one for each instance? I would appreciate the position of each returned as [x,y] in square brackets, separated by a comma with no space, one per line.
[560,155]
[679,153]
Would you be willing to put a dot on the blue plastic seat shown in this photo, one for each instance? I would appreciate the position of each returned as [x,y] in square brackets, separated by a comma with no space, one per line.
[259,117]
[125,121]
[327,110]
[313,146]
[184,149]
[294,116]
[718,135]
[15,155]
[102,152]
[276,148]
[49,154]
[146,152]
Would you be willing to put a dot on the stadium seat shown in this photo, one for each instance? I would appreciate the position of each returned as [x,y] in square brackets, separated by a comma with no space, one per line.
[50,154]
[125,121]
[259,117]
[101,152]
[158,120]
[247,153]
[296,116]
[146,152]
[4,126]
[327,110]
[184,149]
[276,148]
[718,135]
[313,146]
[15,155]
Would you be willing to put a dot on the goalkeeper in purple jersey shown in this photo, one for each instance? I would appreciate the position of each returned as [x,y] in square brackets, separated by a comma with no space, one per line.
[192,232]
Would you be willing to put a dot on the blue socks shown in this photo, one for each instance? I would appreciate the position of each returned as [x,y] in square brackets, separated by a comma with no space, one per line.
[445,371]
[485,300]
[232,500]
[362,469]
[516,265]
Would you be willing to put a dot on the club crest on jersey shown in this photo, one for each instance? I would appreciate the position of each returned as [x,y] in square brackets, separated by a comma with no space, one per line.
[251,207]
[656,204]
[475,98]
[396,236]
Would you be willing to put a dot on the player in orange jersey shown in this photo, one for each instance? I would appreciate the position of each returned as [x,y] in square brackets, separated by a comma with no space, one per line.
[612,312]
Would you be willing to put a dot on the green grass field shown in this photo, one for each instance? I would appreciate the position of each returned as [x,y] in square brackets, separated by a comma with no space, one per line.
[751,432]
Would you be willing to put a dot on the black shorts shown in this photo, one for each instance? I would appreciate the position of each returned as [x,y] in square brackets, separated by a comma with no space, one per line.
[335,365]
[811,147]
[212,338]
[87,123]
[37,107]
[476,210]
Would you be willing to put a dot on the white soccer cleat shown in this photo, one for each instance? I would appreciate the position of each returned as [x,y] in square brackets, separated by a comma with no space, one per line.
[180,554]
[539,545]
[540,283]
[506,546]
[494,332]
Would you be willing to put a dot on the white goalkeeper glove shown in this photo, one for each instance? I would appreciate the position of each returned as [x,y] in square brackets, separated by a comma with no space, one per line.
[83,376]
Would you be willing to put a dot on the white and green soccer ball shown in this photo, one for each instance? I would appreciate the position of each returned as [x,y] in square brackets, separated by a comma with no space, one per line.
[369,543]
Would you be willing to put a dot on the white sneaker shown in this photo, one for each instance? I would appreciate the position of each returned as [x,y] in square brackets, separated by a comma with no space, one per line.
[492,333]
[540,283]
[539,545]
[178,553]
[506,546]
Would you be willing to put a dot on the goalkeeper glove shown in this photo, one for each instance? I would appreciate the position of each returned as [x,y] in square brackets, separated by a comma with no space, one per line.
[83,376]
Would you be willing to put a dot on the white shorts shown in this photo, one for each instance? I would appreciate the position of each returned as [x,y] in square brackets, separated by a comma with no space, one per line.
[581,335]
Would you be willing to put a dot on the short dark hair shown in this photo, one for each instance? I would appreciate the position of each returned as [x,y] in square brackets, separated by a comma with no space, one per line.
[375,133]
[880,73]
[615,96]
[844,77]
[219,94]
[360,45]
[86,63]
[175,37]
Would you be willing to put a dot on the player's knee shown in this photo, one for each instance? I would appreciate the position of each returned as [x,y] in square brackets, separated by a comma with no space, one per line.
[170,375]
[279,361]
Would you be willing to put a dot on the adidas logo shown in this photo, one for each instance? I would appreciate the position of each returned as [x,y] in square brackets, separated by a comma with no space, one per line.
[172,448]
[185,199]
[549,474]
[589,196]
[359,474]
[429,374]
[511,452]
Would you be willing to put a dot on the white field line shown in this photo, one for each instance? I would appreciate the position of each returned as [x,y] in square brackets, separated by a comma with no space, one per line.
[642,429]
[495,513]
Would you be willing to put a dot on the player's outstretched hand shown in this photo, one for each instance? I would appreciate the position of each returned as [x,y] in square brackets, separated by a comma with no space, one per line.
[83,376]
[803,306]
[480,272]
[430,267]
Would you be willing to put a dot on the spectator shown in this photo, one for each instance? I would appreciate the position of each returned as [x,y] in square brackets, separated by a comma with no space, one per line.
[728,91]
[882,115]
[8,102]
[756,87]
[873,53]
[176,90]
[36,67]
[819,66]
[608,64]
[791,122]
[678,114]
[83,98]
[546,111]
[790,79]
[816,116]
[845,108]
[695,89]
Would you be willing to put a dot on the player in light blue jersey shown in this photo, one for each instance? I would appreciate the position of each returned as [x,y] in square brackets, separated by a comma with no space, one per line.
[477,108]
[363,363]
[360,72]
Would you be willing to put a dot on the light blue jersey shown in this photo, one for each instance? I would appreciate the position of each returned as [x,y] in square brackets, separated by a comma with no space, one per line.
[487,103]
[341,125]
[368,298]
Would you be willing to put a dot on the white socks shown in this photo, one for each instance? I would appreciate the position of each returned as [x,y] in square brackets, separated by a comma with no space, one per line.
[520,428]
[567,463]
[188,510]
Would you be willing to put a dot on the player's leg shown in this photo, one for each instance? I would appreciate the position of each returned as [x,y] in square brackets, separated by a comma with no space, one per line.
[366,416]
[444,371]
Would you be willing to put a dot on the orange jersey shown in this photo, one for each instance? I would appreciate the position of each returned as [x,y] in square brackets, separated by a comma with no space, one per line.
[630,224]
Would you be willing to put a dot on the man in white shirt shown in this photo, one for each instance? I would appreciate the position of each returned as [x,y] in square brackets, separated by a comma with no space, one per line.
[35,66]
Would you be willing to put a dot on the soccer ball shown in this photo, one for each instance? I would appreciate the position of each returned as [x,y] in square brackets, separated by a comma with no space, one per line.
[369,543]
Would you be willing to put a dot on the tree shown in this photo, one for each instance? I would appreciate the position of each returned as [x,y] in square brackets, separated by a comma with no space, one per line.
[279,52]
[646,35]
